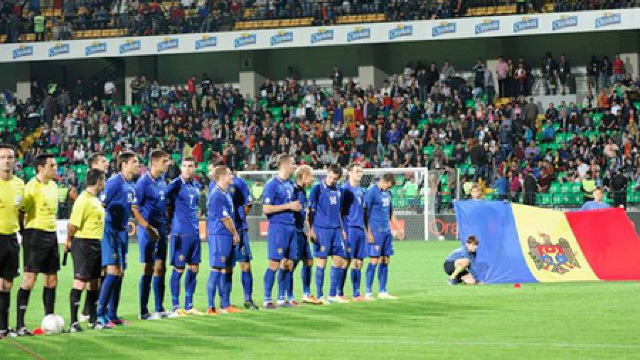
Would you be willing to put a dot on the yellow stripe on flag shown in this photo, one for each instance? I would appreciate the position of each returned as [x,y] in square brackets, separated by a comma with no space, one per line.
[549,246]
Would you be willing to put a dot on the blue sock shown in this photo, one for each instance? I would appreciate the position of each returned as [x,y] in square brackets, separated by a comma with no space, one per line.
[334,275]
[114,301]
[158,292]
[282,283]
[341,281]
[189,289]
[247,285]
[229,283]
[212,287]
[356,275]
[290,295]
[175,289]
[383,273]
[306,279]
[106,291]
[269,278]
[371,272]
[319,281]
[145,290]
[224,290]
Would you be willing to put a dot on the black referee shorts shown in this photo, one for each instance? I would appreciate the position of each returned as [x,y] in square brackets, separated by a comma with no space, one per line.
[40,251]
[9,256]
[87,258]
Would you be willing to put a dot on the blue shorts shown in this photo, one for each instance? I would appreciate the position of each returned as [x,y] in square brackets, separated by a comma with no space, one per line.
[221,251]
[152,251]
[280,238]
[115,245]
[382,244]
[185,250]
[356,243]
[243,249]
[330,242]
[301,250]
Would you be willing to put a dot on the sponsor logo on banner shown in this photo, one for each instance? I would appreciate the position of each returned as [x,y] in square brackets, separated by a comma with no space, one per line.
[443,28]
[557,258]
[282,37]
[359,33]
[95,48]
[564,22]
[58,49]
[526,24]
[487,25]
[130,45]
[608,19]
[245,39]
[206,42]
[168,44]
[22,51]
[400,31]
[322,35]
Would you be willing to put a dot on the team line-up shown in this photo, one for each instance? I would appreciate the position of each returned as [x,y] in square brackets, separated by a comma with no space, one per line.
[345,223]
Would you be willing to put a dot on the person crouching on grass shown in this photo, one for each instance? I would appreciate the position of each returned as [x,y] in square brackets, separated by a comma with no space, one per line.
[459,265]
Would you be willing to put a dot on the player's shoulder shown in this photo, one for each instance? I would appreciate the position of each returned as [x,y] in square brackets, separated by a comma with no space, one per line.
[145,178]
[16,182]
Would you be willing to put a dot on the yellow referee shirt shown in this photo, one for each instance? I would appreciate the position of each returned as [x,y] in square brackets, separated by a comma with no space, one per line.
[40,204]
[88,217]
[11,193]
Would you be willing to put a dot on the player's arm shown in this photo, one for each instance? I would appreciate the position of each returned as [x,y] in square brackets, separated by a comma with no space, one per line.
[172,191]
[368,202]
[135,209]
[311,210]
[248,199]
[396,224]
[269,195]
[224,211]
[75,222]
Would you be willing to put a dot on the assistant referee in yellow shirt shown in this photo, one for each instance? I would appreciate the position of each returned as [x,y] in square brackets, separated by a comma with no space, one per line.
[84,232]
[11,189]
[39,243]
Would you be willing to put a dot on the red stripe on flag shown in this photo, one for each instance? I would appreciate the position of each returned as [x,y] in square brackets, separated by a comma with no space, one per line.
[608,241]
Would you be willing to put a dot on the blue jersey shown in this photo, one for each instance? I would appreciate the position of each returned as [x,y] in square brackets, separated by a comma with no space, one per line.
[462,253]
[184,197]
[379,207]
[241,196]
[219,207]
[353,206]
[151,199]
[118,196]
[326,203]
[301,195]
[279,192]
[592,205]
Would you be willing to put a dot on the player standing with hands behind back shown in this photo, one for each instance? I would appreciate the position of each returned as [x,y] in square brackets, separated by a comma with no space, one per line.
[378,216]
[84,232]
[40,243]
[11,191]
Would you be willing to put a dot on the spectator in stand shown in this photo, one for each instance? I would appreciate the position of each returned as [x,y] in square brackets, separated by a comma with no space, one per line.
[617,69]
[502,71]
[605,73]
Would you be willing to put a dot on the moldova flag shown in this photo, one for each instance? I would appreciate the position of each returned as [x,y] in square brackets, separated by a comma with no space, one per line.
[521,243]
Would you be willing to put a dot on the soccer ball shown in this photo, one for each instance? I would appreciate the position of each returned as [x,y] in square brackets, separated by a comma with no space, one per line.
[52,324]
[441,237]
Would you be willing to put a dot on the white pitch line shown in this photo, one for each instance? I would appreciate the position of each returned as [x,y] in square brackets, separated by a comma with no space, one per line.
[389,342]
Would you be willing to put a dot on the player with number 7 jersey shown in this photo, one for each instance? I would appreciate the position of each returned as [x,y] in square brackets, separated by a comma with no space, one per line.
[182,201]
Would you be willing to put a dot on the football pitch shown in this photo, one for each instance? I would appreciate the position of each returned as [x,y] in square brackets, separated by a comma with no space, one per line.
[429,320]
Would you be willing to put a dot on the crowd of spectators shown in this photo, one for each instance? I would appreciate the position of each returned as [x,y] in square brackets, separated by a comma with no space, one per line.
[424,116]
[141,17]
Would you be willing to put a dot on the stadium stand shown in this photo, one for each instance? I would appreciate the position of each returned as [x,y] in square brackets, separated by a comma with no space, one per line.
[25,21]
[422,116]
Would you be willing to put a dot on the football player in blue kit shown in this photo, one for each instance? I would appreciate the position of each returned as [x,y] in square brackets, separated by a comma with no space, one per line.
[118,197]
[279,206]
[182,201]
[325,216]
[378,217]
[150,211]
[353,220]
[223,238]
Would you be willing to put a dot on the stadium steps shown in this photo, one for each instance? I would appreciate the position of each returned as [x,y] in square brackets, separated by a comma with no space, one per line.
[361,18]
[262,24]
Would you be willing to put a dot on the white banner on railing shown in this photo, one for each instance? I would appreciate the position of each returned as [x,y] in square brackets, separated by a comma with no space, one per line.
[495,26]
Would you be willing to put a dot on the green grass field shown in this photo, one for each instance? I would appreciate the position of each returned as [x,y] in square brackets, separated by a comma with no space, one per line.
[430,320]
